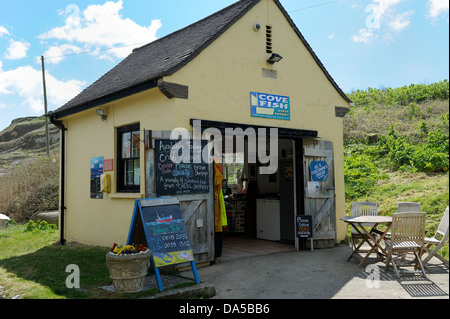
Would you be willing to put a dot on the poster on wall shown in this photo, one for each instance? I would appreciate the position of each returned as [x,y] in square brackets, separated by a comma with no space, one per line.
[270,106]
[313,187]
[96,172]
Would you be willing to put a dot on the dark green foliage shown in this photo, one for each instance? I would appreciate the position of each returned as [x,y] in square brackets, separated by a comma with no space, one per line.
[429,156]
[403,129]
[39,226]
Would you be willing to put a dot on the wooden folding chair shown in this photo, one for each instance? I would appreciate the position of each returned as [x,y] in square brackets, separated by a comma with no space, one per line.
[407,235]
[409,207]
[362,209]
[441,231]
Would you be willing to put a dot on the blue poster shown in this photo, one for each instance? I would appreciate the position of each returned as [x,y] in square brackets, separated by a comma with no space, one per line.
[319,171]
[270,106]
[96,172]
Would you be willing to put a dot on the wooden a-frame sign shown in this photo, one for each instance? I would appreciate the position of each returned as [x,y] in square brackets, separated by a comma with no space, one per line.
[159,223]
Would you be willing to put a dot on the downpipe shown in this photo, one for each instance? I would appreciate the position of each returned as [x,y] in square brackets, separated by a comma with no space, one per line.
[63,130]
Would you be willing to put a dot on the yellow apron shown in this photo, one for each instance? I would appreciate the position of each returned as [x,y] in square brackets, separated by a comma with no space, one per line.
[220,214]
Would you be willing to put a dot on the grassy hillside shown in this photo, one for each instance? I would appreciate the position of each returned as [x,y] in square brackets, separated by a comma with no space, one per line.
[404,129]
[397,149]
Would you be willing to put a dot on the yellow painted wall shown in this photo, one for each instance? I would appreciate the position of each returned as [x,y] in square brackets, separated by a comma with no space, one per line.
[231,67]
[220,80]
[105,221]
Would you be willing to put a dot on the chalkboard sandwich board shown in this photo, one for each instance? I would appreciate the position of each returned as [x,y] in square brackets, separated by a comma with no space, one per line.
[161,224]
[304,226]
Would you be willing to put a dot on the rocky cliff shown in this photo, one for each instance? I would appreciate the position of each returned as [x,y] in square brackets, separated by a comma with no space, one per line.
[25,138]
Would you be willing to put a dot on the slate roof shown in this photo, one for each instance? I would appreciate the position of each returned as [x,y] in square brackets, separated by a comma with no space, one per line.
[163,57]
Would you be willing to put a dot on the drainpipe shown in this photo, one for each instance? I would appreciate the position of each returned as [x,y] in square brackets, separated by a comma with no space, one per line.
[61,126]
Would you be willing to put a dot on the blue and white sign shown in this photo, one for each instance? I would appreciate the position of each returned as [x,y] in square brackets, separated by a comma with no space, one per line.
[319,171]
[270,106]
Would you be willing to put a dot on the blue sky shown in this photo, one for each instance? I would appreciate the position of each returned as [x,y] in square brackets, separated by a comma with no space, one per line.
[369,43]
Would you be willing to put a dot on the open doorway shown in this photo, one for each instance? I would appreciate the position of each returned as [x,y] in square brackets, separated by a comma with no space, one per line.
[260,208]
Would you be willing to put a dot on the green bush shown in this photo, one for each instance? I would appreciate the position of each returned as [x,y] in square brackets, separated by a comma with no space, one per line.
[428,157]
[30,187]
[361,174]
[39,225]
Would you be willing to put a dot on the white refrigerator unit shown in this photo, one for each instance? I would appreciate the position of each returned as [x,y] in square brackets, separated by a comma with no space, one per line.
[268,219]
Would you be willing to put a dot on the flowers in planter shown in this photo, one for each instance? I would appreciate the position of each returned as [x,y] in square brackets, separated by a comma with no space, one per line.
[128,249]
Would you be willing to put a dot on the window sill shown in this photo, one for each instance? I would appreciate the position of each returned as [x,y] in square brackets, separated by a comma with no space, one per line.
[126,195]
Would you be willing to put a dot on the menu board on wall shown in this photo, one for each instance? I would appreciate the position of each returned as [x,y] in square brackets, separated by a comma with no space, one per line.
[180,178]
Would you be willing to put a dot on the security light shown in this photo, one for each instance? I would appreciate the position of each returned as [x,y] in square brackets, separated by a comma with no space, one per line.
[102,114]
[274,58]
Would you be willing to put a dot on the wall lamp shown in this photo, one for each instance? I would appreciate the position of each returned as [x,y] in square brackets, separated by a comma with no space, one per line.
[274,58]
[102,114]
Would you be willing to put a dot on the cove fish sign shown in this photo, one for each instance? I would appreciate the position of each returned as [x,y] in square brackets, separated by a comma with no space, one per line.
[270,106]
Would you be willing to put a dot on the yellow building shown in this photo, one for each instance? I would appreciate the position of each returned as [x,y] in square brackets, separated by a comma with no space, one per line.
[223,72]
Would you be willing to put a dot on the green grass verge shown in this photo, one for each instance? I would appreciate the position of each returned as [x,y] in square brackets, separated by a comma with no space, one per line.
[33,266]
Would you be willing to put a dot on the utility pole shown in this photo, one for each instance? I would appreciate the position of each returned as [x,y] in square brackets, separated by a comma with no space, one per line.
[45,106]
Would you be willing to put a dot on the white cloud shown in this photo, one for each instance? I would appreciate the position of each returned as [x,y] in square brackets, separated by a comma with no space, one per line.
[331,36]
[26,83]
[17,50]
[364,36]
[400,21]
[382,17]
[101,27]
[3,31]
[437,7]
[56,54]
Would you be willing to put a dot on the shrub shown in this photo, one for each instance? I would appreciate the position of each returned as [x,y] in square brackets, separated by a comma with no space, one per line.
[361,174]
[39,225]
[30,187]
[431,156]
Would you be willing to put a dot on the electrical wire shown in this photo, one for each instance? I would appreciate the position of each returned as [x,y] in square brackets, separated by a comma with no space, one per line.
[95,50]
[314,6]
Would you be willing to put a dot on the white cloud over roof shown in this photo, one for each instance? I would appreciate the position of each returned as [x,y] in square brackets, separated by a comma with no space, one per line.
[99,28]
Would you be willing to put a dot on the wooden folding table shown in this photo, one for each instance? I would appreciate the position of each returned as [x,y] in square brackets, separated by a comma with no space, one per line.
[358,221]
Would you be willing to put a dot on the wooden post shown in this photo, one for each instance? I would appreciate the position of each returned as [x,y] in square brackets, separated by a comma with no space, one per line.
[45,106]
